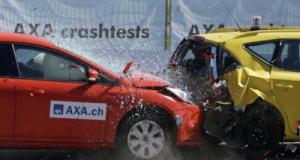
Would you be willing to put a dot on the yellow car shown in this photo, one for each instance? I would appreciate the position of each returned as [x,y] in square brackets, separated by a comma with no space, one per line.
[254,74]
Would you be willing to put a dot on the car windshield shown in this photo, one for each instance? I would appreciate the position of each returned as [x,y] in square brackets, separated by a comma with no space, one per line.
[196,58]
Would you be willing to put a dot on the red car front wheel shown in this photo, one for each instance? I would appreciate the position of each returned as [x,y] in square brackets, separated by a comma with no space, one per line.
[145,136]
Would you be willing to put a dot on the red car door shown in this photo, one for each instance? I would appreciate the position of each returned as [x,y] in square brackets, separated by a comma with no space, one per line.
[54,102]
[7,94]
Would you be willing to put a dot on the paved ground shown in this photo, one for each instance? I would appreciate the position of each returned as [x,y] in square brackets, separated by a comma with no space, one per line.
[205,153]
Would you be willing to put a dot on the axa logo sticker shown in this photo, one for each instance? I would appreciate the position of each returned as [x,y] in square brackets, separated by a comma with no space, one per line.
[58,109]
[78,110]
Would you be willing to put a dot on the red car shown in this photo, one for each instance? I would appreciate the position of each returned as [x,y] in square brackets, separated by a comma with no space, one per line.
[52,98]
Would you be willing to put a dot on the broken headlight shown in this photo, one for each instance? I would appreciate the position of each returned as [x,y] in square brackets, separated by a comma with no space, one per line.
[184,96]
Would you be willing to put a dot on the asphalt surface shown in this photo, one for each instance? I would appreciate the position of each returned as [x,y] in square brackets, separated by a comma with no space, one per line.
[205,153]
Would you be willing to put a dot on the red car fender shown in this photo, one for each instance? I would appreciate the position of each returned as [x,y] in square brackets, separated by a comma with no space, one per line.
[188,131]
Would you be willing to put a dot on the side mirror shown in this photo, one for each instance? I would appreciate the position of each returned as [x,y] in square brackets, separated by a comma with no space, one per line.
[93,76]
[127,67]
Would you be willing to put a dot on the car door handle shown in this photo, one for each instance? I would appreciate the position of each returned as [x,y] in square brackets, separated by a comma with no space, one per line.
[287,86]
[34,92]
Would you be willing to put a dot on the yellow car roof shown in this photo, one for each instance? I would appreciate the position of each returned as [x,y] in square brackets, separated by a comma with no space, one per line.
[226,34]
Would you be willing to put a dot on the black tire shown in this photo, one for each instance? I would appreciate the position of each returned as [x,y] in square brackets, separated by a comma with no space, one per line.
[263,129]
[123,150]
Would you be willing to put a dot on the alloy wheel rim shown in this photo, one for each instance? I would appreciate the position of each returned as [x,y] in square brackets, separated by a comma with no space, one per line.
[146,139]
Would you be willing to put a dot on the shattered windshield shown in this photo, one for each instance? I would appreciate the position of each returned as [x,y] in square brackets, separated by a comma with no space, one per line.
[195,67]
[190,57]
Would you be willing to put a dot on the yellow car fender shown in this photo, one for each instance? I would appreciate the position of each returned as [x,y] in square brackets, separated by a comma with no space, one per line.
[245,94]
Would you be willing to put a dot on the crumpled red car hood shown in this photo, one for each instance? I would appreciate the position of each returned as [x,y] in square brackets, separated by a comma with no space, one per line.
[144,80]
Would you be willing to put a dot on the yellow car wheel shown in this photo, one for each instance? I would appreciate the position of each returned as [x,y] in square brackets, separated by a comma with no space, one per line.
[262,128]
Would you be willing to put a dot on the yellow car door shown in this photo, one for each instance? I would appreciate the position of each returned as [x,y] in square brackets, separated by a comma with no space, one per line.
[285,79]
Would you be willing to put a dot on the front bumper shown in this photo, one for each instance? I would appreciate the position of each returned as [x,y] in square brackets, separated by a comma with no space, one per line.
[189,130]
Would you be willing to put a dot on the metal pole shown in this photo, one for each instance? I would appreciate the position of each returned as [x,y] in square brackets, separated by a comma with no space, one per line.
[168,25]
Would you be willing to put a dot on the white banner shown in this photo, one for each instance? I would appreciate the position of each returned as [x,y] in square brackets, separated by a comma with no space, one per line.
[205,15]
[110,32]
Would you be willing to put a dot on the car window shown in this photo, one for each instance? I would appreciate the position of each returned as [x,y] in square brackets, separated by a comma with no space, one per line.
[5,62]
[213,63]
[289,56]
[227,62]
[190,58]
[37,63]
[263,50]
